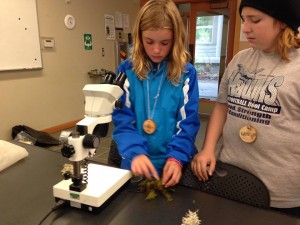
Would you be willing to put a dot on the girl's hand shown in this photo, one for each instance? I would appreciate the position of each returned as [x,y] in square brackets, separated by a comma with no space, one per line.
[203,164]
[171,174]
[142,166]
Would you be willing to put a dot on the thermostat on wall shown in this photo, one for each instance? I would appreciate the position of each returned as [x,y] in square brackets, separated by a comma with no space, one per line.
[70,22]
[49,43]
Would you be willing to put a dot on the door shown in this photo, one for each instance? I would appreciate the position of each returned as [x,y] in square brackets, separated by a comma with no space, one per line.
[210,51]
[211,39]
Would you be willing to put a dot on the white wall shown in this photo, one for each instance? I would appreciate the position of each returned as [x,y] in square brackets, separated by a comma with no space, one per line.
[53,95]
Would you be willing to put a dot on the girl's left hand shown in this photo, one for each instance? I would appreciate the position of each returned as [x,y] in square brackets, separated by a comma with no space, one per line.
[171,174]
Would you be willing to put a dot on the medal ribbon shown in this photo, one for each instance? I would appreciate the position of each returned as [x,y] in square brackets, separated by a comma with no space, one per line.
[150,115]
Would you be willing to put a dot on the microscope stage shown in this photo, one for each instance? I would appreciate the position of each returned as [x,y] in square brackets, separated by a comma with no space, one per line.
[103,182]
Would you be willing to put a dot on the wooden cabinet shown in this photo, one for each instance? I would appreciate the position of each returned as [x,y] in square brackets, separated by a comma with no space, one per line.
[142,2]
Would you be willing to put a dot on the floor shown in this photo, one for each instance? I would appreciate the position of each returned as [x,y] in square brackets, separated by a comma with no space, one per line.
[101,155]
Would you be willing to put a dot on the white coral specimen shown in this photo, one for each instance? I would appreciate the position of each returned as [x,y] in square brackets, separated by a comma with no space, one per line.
[191,218]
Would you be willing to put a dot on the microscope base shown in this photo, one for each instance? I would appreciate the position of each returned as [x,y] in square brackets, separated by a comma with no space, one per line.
[103,182]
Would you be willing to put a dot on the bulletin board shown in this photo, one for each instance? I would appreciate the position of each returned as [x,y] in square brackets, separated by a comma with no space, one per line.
[19,35]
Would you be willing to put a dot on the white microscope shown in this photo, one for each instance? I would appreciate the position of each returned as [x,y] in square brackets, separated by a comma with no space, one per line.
[87,186]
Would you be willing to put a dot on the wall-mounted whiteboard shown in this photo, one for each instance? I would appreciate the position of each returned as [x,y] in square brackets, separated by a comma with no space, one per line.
[19,35]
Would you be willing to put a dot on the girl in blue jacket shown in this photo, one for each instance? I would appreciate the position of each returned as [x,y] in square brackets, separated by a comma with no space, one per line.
[156,129]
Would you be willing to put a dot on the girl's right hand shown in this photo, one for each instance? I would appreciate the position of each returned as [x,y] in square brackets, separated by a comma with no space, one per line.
[142,166]
[203,164]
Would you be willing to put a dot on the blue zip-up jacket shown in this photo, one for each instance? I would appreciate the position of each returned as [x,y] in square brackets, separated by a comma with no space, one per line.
[175,115]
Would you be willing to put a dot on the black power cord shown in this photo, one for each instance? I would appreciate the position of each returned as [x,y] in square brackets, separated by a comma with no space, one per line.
[59,204]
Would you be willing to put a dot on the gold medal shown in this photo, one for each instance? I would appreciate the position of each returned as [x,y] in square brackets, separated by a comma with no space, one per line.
[149,126]
[248,134]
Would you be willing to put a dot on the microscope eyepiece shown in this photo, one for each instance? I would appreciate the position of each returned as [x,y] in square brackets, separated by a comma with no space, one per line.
[109,77]
[120,80]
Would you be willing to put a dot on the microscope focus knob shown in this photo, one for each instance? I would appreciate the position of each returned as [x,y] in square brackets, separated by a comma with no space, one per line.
[67,151]
[90,141]
[119,104]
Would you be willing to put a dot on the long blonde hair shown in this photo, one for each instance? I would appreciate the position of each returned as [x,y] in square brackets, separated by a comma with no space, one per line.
[288,39]
[159,14]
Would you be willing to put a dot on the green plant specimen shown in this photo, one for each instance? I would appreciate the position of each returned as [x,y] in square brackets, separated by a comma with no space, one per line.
[153,187]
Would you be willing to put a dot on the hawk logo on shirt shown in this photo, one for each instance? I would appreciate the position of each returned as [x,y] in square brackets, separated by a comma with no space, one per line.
[253,93]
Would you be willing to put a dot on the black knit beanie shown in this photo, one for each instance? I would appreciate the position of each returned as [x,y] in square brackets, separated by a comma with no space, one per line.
[287,11]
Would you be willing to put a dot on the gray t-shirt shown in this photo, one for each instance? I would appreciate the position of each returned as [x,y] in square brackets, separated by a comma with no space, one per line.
[272,87]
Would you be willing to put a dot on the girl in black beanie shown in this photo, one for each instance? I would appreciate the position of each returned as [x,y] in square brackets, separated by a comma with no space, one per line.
[258,108]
